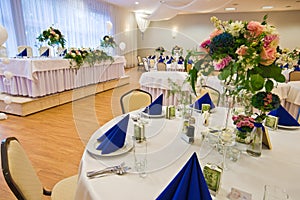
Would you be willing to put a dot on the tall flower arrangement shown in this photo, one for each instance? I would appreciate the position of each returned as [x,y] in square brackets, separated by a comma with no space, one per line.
[244,54]
[108,41]
[52,36]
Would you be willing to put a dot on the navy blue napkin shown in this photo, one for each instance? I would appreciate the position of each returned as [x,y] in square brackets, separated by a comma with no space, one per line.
[297,68]
[170,60]
[284,117]
[45,53]
[205,99]
[23,53]
[155,108]
[188,184]
[63,53]
[114,138]
[161,59]
[190,61]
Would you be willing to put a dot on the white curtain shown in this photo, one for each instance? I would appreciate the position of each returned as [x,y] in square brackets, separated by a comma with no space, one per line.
[82,22]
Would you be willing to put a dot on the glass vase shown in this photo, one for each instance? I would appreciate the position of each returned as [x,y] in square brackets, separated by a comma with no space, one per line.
[255,146]
[242,139]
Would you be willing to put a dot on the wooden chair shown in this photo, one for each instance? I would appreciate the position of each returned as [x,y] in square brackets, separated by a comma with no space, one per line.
[294,76]
[135,99]
[214,94]
[29,50]
[22,178]
[161,66]
[140,63]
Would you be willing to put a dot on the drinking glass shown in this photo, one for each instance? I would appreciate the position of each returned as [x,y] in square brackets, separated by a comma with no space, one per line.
[140,156]
[226,139]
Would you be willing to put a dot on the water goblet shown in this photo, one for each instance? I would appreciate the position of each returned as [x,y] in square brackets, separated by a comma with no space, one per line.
[226,140]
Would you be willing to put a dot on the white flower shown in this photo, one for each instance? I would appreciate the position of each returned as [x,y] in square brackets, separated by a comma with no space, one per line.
[236,28]
[270,30]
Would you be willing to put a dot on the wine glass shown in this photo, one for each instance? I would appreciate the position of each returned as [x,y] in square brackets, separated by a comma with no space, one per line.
[226,139]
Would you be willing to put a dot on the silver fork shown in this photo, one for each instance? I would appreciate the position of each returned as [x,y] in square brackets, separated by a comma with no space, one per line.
[104,171]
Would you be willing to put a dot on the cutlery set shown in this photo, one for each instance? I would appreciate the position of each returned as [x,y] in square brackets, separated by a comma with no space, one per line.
[118,170]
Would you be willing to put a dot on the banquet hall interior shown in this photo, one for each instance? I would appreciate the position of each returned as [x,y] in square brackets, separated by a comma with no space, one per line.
[55,98]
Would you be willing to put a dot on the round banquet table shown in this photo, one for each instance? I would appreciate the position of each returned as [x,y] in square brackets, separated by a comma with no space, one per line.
[168,153]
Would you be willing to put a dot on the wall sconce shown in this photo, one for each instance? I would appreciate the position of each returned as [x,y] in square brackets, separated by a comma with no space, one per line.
[174,32]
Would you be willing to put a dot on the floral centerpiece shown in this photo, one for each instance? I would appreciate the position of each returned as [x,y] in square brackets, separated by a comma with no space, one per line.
[160,50]
[52,36]
[177,50]
[79,56]
[244,54]
[244,125]
[289,58]
[108,41]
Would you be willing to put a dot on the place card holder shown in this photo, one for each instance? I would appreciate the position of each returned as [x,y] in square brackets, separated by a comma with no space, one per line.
[271,122]
[212,174]
[170,112]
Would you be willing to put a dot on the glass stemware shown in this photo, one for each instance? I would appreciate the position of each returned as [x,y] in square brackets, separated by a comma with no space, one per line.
[226,139]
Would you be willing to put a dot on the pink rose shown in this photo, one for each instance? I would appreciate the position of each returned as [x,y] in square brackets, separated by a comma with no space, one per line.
[268,56]
[271,41]
[205,45]
[221,64]
[215,33]
[242,50]
[255,28]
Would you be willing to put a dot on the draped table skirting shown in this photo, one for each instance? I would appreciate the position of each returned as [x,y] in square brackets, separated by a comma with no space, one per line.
[36,77]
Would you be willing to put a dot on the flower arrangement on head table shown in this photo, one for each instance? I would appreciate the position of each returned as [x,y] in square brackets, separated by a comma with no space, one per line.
[108,41]
[52,36]
[244,54]
[160,50]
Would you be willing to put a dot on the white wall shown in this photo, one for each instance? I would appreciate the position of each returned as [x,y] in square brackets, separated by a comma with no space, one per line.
[194,28]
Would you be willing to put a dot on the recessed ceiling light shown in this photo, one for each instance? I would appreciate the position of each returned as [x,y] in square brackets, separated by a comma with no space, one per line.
[267,7]
[230,9]
[136,3]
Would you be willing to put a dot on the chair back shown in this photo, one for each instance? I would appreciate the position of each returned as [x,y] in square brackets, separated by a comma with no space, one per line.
[43,49]
[294,76]
[134,100]
[151,63]
[19,172]
[161,66]
[214,94]
[139,59]
[29,50]
[3,52]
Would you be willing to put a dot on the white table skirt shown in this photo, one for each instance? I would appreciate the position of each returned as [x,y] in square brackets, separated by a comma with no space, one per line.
[55,75]
[278,166]
[157,82]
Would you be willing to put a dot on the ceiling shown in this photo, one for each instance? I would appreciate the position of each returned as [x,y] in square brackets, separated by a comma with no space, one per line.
[165,9]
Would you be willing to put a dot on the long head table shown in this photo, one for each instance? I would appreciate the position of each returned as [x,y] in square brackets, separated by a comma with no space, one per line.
[35,77]
[167,154]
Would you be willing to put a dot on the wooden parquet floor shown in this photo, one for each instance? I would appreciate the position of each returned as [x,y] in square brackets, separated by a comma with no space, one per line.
[54,139]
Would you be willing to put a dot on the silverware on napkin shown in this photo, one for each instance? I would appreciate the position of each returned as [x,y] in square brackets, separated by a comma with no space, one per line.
[118,169]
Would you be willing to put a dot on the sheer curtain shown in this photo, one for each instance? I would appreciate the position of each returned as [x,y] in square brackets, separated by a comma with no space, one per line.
[83,22]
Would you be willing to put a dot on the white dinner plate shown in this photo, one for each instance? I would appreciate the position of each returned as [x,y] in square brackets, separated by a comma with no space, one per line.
[288,127]
[154,116]
[93,144]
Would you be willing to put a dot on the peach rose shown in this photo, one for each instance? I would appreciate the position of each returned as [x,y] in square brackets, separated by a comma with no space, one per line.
[215,33]
[255,28]
[268,56]
[242,50]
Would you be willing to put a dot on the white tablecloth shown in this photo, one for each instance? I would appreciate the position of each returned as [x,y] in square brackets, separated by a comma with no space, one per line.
[168,153]
[36,77]
[157,82]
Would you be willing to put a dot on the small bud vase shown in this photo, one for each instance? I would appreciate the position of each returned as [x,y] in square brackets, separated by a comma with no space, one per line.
[255,146]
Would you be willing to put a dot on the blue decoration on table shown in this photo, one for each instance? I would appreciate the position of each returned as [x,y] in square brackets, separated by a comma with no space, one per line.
[149,57]
[284,66]
[188,184]
[161,59]
[153,57]
[114,138]
[170,60]
[45,53]
[155,108]
[205,99]
[284,117]
[63,53]
[297,68]
[23,53]
[190,61]
[298,62]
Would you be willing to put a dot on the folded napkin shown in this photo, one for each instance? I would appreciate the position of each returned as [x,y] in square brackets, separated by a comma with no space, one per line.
[23,53]
[170,60]
[190,61]
[114,138]
[297,68]
[63,53]
[45,53]
[153,57]
[180,62]
[155,108]
[284,117]
[205,99]
[188,184]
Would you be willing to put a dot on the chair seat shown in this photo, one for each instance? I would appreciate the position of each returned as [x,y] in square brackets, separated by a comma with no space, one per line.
[65,189]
